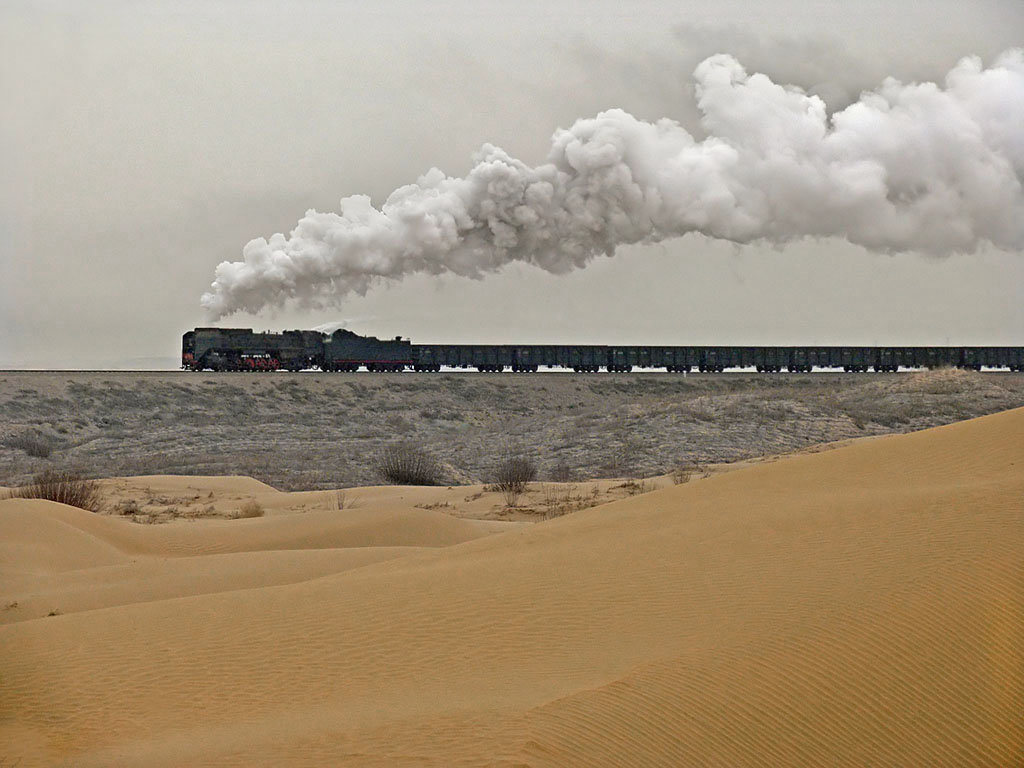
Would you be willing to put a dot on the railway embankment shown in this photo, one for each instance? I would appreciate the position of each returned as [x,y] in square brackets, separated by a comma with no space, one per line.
[317,431]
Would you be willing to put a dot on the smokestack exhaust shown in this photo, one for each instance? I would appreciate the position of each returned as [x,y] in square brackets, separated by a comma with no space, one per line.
[917,166]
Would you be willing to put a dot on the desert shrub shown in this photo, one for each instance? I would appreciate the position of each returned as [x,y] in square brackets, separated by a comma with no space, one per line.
[681,475]
[562,500]
[127,507]
[512,474]
[686,471]
[408,464]
[63,487]
[251,508]
[34,444]
[635,487]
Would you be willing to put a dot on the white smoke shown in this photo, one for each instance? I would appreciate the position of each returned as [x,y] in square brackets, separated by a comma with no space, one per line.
[336,325]
[917,166]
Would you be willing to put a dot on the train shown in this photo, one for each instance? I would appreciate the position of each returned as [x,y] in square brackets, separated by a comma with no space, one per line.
[242,349]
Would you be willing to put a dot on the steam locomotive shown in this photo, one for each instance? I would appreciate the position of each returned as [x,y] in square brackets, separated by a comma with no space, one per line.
[241,349]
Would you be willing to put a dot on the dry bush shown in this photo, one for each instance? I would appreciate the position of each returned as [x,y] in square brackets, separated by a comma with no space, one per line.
[408,464]
[686,471]
[251,508]
[635,487]
[63,487]
[35,445]
[558,501]
[127,507]
[563,500]
[343,501]
[681,475]
[512,474]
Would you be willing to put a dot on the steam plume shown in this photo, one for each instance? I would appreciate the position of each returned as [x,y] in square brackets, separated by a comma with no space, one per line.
[920,166]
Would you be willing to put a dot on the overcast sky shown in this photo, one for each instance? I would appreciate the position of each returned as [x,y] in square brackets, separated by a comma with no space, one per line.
[145,142]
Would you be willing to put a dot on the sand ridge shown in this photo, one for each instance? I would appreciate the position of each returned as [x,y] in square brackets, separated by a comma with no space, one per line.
[862,605]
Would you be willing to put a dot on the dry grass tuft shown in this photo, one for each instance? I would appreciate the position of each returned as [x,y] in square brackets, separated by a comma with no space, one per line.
[343,501]
[434,505]
[64,488]
[635,487]
[127,507]
[687,471]
[251,508]
[558,500]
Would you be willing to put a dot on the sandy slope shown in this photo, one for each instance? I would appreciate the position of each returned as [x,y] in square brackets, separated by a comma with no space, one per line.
[859,606]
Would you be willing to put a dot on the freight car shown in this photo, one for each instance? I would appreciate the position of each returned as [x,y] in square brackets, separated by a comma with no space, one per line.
[236,349]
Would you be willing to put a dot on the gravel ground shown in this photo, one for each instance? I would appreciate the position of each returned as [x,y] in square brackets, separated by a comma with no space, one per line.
[315,431]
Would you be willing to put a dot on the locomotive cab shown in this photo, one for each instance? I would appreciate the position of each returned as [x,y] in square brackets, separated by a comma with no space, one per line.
[188,351]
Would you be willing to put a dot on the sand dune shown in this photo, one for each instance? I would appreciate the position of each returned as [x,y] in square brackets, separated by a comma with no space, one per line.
[149,578]
[55,558]
[858,606]
[382,525]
